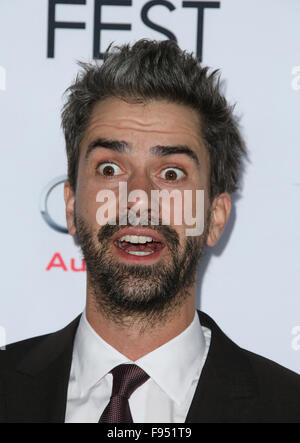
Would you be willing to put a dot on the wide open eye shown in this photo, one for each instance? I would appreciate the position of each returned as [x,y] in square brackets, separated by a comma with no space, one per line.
[172,174]
[109,169]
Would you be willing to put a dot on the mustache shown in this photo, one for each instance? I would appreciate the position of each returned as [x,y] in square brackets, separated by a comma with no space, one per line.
[107,231]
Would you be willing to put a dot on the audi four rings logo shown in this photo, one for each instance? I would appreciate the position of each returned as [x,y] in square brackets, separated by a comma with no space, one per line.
[44,210]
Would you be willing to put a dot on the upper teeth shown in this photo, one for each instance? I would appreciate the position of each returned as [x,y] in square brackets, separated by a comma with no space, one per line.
[136,238]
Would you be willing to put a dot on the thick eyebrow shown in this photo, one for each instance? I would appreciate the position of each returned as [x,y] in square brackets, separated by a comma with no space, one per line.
[163,151]
[159,150]
[113,145]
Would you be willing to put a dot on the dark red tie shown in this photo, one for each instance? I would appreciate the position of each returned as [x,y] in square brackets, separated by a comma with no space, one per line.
[126,379]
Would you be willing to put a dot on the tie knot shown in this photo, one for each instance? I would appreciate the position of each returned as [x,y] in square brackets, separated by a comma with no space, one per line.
[126,379]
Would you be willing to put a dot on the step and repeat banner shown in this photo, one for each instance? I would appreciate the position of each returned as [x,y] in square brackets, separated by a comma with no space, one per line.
[250,282]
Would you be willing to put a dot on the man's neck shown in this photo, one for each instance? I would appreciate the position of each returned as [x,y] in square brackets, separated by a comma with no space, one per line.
[133,339]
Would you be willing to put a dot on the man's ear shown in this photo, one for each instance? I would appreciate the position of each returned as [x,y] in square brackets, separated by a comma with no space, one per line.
[220,212]
[69,197]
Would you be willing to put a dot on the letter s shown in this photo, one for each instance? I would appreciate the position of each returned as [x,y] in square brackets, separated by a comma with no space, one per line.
[150,24]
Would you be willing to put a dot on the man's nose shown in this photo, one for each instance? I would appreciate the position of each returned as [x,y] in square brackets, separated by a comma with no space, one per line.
[139,187]
[140,179]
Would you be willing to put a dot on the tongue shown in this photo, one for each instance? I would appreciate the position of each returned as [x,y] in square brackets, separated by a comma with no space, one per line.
[146,247]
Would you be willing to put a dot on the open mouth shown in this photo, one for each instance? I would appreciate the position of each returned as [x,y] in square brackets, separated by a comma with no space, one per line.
[139,245]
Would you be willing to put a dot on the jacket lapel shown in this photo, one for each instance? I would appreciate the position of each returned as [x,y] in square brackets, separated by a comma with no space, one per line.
[227,387]
[38,389]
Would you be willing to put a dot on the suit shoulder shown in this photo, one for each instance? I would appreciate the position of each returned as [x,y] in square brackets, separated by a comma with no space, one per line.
[26,344]
[276,381]
[266,371]
[15,352]
[34,351]
[268,368]
[274,390]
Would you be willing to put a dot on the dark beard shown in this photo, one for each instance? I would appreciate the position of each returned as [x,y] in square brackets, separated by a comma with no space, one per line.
[145,292]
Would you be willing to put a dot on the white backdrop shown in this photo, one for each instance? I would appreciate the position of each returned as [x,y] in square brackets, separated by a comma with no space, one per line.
[250,282]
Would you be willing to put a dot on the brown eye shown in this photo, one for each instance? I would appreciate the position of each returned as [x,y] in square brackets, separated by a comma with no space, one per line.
[172,174]
[109,169]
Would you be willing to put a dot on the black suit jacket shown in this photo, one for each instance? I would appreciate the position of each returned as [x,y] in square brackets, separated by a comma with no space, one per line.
[236,386]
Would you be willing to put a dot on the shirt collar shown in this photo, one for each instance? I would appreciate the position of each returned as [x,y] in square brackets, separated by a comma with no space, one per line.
[173,366]
[93,357]
[176,364]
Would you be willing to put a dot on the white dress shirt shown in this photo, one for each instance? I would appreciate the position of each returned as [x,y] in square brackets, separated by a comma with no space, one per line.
[174,369]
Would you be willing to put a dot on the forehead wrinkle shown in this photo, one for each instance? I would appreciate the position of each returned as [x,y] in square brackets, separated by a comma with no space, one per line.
[157,111]
[102,121]
[143,130]
[137,122]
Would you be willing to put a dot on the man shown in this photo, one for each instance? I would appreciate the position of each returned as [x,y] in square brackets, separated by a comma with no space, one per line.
[150,118]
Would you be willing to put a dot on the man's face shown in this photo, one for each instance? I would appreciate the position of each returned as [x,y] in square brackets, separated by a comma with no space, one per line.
[153,146]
